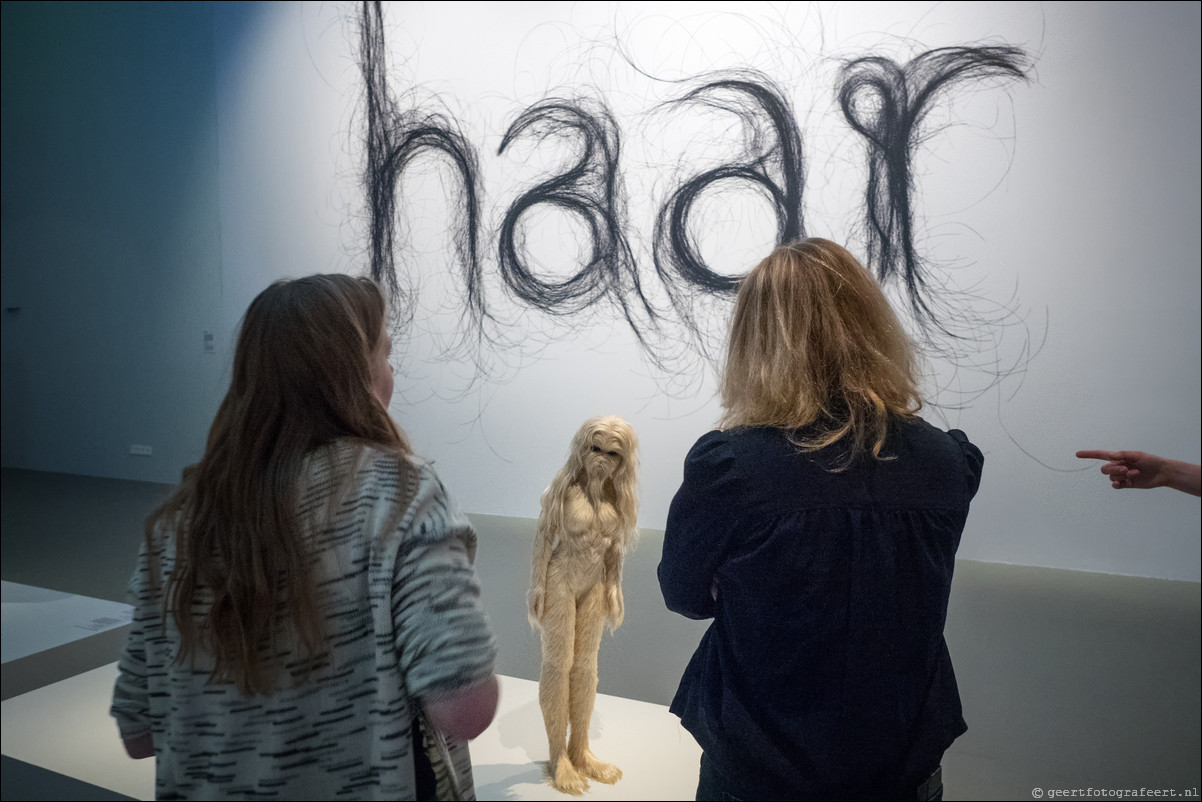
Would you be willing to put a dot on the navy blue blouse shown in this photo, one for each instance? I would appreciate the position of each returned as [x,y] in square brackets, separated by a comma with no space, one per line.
[825,672]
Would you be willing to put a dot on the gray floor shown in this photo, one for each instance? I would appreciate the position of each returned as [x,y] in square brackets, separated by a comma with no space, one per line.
[1069,680]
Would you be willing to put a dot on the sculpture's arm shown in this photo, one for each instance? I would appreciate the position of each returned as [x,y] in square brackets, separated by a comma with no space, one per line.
[544,543]
[615,606]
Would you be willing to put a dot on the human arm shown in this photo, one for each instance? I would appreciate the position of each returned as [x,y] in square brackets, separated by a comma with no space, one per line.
[973,458]
[465,713]
[131,704]
[444,640]
[140,747]
[1137,469]
[701,524]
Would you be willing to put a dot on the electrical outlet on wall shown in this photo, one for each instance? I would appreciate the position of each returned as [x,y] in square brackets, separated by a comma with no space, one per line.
[210,342]
[141,451]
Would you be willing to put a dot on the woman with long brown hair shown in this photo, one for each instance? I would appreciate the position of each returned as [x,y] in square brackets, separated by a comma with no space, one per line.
[308,620]
[818,528]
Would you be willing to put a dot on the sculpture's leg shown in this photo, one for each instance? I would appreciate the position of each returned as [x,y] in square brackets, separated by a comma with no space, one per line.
[590,622]
[558,630]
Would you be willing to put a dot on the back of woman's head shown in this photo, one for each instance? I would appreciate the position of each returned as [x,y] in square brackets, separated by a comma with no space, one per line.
[815,346]
[302,367]
[302,378]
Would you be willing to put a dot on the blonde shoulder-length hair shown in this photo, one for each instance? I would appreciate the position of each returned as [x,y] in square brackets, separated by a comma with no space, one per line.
[620,489]
[815,348]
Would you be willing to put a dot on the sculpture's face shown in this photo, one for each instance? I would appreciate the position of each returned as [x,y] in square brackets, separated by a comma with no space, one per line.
[604,456]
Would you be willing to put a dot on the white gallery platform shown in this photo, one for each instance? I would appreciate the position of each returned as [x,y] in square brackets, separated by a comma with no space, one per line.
[65,727]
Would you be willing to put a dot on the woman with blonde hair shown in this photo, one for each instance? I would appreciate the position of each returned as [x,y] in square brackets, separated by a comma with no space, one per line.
[307,615]
[818,528]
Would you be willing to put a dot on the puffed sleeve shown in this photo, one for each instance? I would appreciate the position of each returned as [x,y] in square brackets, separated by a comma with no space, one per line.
[701,523]
[131,705]
[974,458]
[444,638]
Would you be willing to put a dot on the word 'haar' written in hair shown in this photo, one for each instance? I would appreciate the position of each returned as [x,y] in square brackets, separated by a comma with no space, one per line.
[882,101]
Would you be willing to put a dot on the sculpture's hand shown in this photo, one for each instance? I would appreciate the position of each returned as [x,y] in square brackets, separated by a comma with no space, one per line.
[537,604]
[615,607]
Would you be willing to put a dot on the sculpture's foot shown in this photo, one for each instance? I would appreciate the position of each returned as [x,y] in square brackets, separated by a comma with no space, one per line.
[564,777]
[588,765]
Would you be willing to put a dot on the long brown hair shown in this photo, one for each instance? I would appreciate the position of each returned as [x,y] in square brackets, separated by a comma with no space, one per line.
[814,345]
[301,379]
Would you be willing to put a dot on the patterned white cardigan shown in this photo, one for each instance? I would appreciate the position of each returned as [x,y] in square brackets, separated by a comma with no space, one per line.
[404,623]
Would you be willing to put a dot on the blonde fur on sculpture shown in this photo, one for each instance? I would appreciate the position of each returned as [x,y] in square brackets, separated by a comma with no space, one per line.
[587,524]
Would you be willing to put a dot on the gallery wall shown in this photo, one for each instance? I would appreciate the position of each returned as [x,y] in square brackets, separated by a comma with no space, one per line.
[111,240]
[158,176]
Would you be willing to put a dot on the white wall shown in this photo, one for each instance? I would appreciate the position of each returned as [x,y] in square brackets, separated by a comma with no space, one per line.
[1077,194]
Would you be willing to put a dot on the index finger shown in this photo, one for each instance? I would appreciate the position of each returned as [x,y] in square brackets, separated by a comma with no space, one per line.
[1106,455]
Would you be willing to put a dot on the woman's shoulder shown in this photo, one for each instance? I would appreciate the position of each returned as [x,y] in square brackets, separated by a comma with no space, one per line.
[917,428]
[925,437]
[415,474]
[725,455]
[380,460]
[712,447]
[397,496]
[741,443]
[363,469]
[734,437]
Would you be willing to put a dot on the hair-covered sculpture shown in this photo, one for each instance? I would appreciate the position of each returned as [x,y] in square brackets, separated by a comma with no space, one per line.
[587,523]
